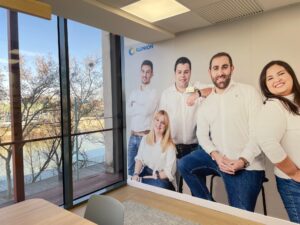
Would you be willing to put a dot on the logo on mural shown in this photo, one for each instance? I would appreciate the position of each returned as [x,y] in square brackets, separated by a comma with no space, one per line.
[132,51]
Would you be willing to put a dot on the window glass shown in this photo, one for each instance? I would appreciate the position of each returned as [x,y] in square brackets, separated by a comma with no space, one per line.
[40,105]
[90,90]
[6,177]
[87,81]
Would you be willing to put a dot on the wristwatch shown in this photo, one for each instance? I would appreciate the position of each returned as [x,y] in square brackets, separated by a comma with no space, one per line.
[157,174]
[246,163]
[198,91]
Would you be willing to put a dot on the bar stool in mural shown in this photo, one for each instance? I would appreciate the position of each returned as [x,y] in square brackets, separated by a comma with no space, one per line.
[206,171]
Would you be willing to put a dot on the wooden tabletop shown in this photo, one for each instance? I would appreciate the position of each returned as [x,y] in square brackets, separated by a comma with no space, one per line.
[41,212]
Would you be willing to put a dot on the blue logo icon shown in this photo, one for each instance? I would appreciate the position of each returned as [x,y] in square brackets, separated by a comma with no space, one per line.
[132,51]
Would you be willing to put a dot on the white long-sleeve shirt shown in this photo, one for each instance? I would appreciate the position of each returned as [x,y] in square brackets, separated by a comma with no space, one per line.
[278,133]
[225,123]
[182,117]
[141,106]
[153,157]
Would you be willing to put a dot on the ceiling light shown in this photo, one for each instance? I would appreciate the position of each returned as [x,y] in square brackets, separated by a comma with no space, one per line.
[153,11]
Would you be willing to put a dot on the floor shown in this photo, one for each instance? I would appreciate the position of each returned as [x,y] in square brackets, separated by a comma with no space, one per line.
[91,178]
[182,209]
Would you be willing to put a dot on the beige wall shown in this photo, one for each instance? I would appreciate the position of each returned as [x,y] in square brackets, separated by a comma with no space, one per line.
[252,42]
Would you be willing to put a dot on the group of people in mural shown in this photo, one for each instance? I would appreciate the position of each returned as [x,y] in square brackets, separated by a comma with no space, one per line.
[226,130]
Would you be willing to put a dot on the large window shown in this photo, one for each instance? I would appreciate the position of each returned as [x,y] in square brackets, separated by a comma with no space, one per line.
[91,113]
[36,67]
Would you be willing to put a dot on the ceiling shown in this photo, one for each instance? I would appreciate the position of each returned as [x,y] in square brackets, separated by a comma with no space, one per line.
[107,15]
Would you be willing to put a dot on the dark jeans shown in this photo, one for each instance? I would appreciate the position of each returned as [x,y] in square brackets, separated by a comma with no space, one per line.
[289,191]
[162,183]
[133,147]
[183,150]
[242,188]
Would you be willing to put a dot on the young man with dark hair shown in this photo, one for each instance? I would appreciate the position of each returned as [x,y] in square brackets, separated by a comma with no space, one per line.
[182,116]
[141,106]
[225,131]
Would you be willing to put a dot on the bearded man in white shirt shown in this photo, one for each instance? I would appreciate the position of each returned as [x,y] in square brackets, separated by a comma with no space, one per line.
[141,106]
[225,131]
[174,101]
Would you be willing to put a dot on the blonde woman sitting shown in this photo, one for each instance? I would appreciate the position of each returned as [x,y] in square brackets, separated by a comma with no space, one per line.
[156,159]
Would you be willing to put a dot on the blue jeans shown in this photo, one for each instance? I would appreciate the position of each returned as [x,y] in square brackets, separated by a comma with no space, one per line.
[133,147]
[183,150]
[242,188]
[162,183]
[289,191]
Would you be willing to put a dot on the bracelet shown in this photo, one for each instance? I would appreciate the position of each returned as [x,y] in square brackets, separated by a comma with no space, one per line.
[136,174]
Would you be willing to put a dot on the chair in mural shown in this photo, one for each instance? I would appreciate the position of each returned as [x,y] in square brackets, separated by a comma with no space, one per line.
[213,174]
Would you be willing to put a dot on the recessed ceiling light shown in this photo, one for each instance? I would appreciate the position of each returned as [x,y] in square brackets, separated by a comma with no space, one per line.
[153,11]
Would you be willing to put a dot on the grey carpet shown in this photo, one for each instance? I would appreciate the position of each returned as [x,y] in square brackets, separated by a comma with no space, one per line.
[139,214]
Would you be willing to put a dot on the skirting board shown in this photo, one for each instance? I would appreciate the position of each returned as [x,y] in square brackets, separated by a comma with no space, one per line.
[256,217]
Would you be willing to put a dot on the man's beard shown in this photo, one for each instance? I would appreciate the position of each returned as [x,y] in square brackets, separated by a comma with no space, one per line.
[224,84]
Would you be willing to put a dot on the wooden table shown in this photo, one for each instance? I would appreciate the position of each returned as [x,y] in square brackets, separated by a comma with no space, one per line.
[41,212]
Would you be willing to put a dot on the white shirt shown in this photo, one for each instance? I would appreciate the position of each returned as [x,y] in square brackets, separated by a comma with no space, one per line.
[141,106]
[225,123]
[153,157]
[278,133]
[182,117]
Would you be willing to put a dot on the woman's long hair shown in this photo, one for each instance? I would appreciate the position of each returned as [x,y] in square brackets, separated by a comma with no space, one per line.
[166,140]
[292,107]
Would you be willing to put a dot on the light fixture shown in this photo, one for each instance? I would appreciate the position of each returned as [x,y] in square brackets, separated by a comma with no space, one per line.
[153,11]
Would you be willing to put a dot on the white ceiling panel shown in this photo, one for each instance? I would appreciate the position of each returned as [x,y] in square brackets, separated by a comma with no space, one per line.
[196,4]
[229,10]
[107,15]
[273,4]
[183,22]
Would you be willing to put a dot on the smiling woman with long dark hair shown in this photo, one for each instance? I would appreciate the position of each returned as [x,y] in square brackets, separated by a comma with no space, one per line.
[278,131]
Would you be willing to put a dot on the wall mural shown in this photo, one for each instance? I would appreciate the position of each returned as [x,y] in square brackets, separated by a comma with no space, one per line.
[188,132]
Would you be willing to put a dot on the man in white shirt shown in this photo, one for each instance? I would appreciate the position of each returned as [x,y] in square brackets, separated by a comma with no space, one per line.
[141,106]
[182,116]
[225,131]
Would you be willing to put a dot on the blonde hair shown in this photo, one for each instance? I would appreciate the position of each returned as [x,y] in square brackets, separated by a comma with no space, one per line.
[166,140]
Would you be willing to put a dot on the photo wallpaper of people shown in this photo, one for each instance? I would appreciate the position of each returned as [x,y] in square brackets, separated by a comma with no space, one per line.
[223,102]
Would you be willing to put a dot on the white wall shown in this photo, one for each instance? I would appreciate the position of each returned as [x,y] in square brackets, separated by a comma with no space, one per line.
[108,137]
[252,42]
